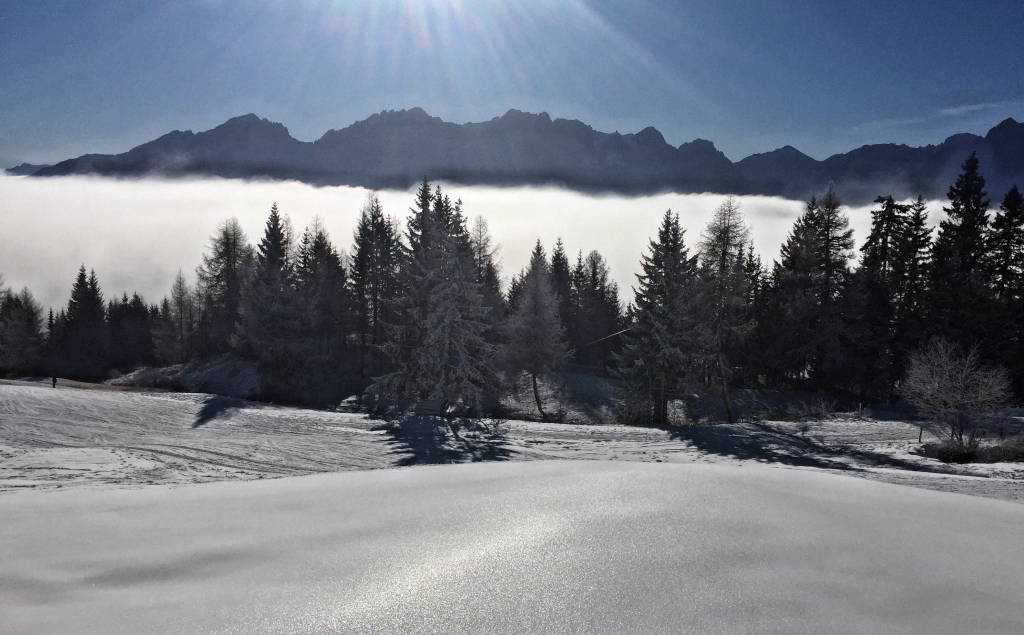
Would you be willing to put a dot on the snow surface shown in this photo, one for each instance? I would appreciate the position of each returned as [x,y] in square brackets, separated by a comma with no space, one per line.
[539,547]
[88,435]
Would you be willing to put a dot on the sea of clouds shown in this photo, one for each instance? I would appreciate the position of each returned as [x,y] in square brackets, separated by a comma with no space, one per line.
[137,234]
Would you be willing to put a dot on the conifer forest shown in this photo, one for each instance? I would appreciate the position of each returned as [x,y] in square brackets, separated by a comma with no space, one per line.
[424,313]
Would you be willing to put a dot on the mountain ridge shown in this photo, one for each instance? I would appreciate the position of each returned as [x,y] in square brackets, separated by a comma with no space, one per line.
[396,149]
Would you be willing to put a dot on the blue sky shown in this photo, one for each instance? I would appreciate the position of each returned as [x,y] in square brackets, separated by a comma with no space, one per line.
[97,76]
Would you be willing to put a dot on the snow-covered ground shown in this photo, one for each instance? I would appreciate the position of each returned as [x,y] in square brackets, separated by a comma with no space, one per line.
[144,512]
[92,435]
[537,547]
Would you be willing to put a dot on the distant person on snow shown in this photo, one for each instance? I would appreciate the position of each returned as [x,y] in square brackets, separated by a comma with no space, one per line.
[54,380]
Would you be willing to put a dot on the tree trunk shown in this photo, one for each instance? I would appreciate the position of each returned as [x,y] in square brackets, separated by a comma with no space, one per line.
[536,396]
[725,388]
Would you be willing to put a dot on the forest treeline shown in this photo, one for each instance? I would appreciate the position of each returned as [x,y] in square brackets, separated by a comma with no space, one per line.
[423,313]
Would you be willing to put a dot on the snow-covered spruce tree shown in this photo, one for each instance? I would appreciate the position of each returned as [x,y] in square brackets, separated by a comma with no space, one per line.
[219,280]
[376,281]
[324,306]
[534,336]
[657,351]
[269,325]
[437,344]
[723,316]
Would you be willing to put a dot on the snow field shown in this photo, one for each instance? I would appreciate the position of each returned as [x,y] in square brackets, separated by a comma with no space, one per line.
[538,547]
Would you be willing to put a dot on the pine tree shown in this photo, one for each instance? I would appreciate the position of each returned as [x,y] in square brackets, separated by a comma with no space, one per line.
[219,282]
[657,351]
[437,343]
[723,293]
[533,333]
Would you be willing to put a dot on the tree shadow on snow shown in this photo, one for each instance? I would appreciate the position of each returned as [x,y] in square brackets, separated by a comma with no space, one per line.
[217,406]
[768,444]
[424,440]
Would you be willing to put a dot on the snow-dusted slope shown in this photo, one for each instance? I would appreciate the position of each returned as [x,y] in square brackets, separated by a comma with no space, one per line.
[539,547]
[98,435]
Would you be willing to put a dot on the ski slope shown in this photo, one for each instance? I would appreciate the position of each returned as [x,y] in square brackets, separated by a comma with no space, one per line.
[535,547]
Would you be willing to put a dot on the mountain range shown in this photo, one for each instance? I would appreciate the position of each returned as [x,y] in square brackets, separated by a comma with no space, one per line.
[396,149]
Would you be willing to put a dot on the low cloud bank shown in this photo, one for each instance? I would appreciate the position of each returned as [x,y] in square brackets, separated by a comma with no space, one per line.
[136,234]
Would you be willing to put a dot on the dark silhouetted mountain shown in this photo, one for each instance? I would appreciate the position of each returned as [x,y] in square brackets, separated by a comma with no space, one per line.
[395,149]
[24,169]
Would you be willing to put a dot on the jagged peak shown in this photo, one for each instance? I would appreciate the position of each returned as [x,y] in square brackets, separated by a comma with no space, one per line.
[651,135]
[699,144]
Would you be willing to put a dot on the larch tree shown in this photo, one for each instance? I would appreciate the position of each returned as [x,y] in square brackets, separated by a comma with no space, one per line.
[226,266]
[723,293]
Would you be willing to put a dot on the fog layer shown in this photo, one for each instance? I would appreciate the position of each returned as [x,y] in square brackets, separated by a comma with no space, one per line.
[136,234]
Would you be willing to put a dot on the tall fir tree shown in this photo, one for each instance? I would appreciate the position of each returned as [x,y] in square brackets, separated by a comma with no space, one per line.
[960,307]
[1006,248]
[810,285]
[376,281]
[658,350]
[269,325]
[325,307]
[85,339]
[1006,273]
[437,344]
